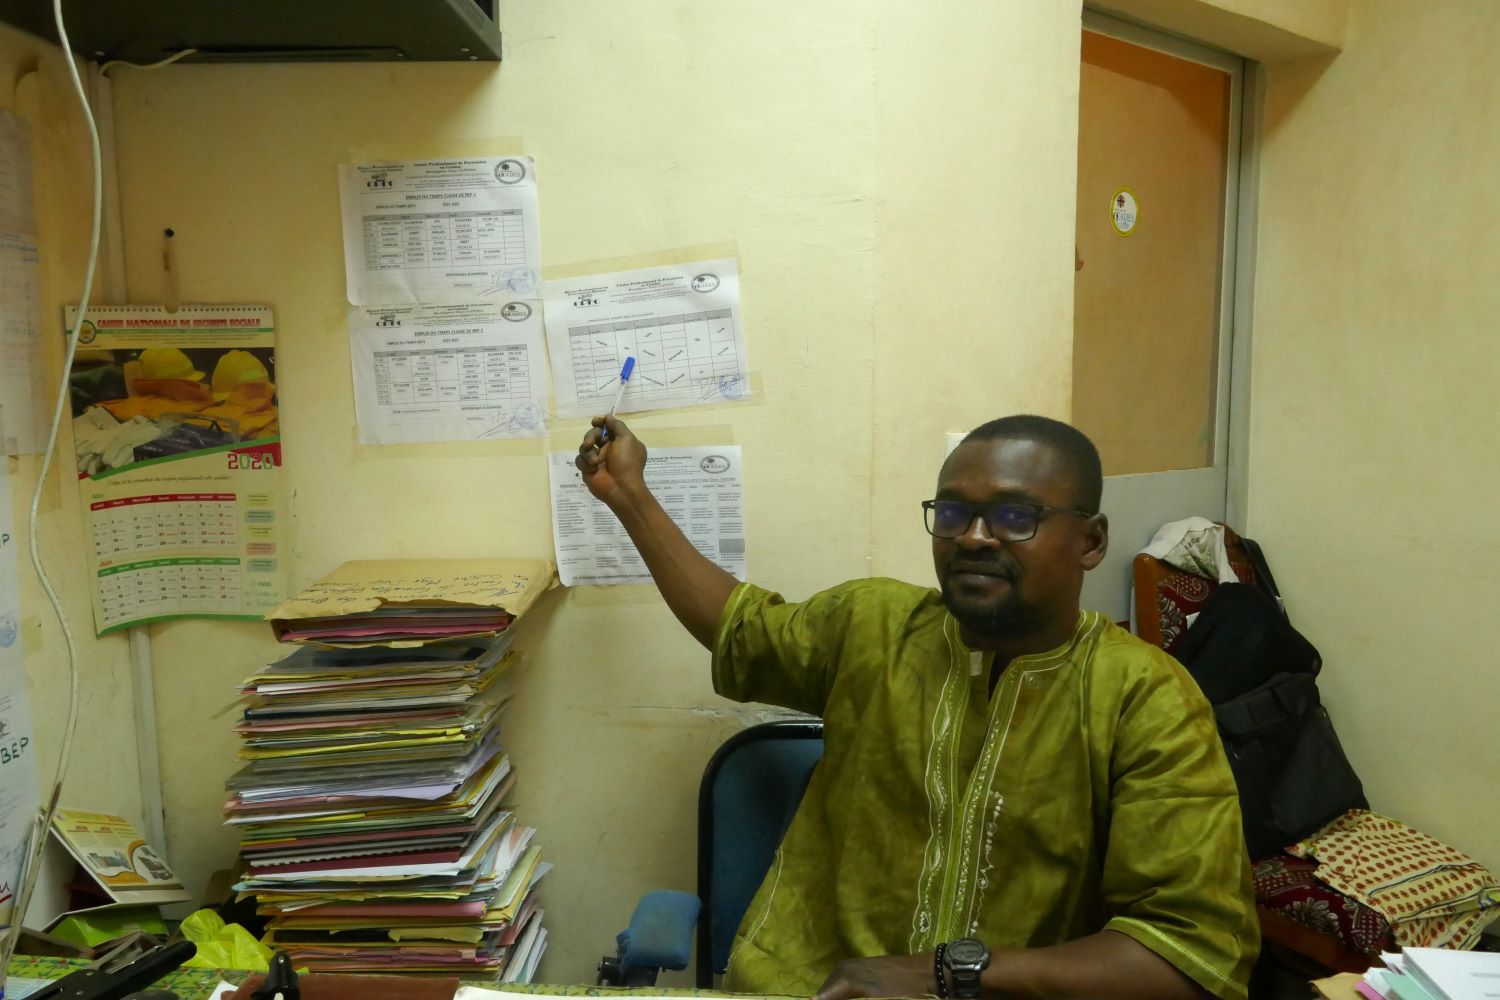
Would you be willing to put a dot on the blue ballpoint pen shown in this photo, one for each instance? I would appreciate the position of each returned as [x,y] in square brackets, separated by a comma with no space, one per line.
[625,371]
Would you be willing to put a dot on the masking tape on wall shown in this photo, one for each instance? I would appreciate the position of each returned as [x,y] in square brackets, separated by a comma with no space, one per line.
[562,435]
[33,636]
[569,434]
[487,449]
[652,258]
[614,595]
[402,150]
[755,395]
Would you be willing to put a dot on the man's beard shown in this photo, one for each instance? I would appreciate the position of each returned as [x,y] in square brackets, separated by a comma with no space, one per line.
[1009,617]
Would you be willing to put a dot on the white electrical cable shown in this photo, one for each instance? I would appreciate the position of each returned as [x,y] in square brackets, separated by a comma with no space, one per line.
[156,65]
[31,866]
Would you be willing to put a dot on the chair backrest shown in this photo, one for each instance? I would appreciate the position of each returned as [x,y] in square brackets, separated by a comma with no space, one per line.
[1165,596]
[750,791]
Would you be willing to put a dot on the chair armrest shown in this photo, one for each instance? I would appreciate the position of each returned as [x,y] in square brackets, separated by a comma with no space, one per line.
[660,935]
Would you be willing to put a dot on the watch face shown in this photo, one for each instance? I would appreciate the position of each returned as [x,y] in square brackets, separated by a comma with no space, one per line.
[966,952]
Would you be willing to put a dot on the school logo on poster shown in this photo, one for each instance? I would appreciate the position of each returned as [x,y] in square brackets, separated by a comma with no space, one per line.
[510,171]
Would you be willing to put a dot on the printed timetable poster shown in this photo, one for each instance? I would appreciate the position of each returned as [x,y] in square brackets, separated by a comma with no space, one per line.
[176,430]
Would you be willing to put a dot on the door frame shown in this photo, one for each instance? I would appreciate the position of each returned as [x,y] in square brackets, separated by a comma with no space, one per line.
[1236,304]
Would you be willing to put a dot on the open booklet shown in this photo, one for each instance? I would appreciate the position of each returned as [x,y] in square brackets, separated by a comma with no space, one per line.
[116,856]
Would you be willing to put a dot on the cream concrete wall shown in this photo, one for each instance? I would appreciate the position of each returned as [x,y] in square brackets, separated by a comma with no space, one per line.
[654,125]
[663,126]
[1373,462]
[978,132]
[899,180]
[34,84]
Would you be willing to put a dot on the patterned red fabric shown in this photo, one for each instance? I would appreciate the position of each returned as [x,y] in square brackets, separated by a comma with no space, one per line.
[1288,886]
[1180,594]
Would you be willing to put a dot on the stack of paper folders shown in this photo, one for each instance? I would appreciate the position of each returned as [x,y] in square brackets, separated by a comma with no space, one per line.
[1434,974]
[385,626]
[374,808]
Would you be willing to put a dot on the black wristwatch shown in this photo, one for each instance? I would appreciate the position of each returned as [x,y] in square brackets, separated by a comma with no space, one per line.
[964,960]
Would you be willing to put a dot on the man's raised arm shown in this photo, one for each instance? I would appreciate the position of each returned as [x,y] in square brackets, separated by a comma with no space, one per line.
[613,469]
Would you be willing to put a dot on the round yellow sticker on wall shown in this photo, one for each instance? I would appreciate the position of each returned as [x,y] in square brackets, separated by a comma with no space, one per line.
[1123,212]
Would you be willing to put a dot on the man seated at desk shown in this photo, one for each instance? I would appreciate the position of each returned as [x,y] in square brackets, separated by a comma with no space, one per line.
[1015,799]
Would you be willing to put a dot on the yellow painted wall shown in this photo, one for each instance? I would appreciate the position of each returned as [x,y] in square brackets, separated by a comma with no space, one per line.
[899,180]
[34,84]
[977,107]
[1373,455]
[872,295]
[654,125]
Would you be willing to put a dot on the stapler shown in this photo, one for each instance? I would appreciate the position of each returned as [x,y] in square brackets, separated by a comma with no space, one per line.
[124,980]
[281,980]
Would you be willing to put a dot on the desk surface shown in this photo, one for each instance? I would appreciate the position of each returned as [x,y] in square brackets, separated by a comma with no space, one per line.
[187,983]
[195,984]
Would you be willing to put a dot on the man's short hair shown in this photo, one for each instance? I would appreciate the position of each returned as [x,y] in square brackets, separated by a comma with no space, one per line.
[1068,441]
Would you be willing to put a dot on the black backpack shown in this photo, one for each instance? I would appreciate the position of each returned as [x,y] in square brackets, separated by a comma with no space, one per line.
[1260,675]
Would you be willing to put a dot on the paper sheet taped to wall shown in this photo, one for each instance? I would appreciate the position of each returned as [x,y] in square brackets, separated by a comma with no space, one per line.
[454,372]
[18,791]
[458,230]
[20,308]
[681,323]
[701,489]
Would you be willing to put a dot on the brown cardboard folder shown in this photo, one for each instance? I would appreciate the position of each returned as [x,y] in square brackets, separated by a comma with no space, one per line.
[316,986]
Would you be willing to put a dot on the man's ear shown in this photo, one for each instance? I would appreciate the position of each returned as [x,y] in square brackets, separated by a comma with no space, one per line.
[1095,541]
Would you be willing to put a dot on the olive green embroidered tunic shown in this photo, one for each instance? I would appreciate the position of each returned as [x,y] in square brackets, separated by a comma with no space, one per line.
[1089,791]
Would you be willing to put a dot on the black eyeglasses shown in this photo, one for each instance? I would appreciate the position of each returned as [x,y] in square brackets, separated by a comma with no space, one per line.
[1006,522]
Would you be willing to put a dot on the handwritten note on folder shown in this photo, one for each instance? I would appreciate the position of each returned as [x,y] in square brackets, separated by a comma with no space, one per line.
[374,596]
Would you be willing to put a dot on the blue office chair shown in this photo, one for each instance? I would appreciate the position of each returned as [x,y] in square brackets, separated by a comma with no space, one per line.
[750,791]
